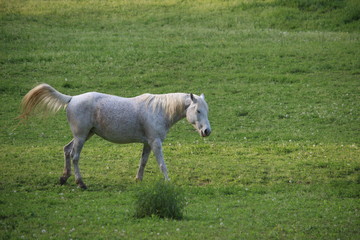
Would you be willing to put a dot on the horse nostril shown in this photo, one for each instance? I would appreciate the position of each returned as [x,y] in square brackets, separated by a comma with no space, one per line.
[207,132]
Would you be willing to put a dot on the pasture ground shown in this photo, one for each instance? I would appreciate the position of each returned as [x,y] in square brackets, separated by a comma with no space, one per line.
[282,82]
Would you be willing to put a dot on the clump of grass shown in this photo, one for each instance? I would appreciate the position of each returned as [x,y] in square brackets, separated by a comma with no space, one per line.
[161,199]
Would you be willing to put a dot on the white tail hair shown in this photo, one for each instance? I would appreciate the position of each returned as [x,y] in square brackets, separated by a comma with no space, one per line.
[45,97]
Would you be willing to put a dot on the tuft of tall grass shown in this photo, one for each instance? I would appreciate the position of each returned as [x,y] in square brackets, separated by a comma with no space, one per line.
[161,199]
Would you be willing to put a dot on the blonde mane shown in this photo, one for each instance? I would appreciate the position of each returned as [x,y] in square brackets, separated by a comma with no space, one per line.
[172,104]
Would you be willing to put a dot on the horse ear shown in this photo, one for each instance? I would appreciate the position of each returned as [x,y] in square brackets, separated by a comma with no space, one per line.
[202,96]
[193,98]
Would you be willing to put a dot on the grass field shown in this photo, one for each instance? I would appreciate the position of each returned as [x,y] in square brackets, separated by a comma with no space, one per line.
[282,80]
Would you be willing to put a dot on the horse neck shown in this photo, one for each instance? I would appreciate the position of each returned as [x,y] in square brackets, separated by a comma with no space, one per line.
[173,105]
[181,109]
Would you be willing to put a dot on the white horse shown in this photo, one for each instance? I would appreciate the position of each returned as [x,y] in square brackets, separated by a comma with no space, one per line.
[144,119]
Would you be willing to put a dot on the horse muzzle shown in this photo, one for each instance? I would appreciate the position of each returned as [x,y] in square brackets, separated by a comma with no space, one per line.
[206,132]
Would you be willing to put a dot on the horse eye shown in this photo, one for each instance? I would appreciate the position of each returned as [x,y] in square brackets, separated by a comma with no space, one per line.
[198,111]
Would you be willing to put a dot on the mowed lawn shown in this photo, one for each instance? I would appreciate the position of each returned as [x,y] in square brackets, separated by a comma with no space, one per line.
[282,80]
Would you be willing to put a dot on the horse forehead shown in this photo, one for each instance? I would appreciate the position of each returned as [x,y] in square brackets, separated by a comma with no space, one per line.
[202,104]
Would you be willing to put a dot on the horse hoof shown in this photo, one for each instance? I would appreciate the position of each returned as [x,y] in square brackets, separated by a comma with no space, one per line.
[63,180]
[81,184]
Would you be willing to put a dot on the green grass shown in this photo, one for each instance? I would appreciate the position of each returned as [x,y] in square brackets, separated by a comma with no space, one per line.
[282,82]
[162,199]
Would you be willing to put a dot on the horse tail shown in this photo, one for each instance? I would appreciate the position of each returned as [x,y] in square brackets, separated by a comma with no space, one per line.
[45,97]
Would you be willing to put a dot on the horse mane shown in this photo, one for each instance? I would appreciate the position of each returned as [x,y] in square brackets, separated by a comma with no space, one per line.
[172,104]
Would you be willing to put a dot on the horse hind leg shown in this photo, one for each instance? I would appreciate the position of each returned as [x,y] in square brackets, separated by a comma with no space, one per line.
[67,164]
[75,154]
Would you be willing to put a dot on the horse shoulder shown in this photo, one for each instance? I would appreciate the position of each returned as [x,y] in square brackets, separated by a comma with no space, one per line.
[154,124]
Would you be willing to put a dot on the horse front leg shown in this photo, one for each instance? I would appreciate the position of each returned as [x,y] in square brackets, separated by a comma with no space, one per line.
[67,164]
[156,146]
[143,161]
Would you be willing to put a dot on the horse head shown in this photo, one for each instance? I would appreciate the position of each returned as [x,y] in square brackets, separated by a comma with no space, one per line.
[197,114]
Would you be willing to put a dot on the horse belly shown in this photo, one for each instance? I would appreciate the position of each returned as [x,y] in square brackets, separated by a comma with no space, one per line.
[119,125]
[120,134]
